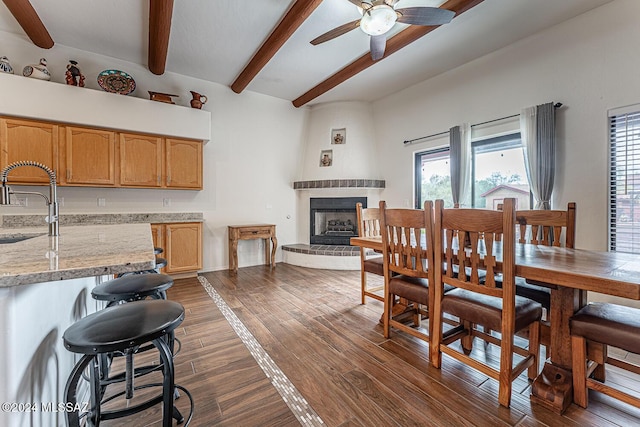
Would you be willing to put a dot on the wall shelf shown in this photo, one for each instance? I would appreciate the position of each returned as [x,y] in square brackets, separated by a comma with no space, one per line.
[45,100]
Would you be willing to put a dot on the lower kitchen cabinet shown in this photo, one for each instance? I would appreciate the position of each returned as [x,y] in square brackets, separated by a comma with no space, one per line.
[182,244]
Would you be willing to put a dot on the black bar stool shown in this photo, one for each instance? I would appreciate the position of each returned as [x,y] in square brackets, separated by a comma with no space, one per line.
[133,287]
[123,328]
[126,289]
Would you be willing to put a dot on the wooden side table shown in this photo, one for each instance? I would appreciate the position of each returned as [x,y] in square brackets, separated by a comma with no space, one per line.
[253,231]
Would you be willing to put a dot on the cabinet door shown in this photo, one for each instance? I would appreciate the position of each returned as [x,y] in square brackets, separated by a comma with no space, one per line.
[184,163]
[28,140]
[90,157]
[140,160]
[183,247]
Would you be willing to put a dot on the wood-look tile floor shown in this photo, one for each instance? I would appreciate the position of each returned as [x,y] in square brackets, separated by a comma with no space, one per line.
[330,349]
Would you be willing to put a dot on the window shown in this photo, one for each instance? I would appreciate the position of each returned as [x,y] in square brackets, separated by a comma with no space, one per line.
[624,180]
[432,179]
[498,171]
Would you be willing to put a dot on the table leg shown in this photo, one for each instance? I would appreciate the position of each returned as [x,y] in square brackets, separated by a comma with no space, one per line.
[233,256]
[553,387]
[274,244]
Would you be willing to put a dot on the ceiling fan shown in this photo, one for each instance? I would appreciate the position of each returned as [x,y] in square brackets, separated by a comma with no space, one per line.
[379,16]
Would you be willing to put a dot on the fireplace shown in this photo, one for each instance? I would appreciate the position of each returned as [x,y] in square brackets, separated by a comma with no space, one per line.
[333,219]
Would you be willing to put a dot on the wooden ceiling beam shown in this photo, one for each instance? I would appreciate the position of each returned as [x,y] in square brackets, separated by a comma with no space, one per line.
[394,44]
[30,22]
[160,13]
[296,15]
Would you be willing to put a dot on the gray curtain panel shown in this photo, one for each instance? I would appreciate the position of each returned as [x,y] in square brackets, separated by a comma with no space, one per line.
[539,146]
[546,147]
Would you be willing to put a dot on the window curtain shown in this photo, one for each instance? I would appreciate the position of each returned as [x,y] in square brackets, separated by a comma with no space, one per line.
[460,165]
[538,133]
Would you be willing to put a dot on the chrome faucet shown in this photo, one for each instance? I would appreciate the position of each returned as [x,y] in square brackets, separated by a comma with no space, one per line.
[52,201]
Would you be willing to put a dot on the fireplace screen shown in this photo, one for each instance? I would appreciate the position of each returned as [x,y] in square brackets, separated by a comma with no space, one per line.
[333,219]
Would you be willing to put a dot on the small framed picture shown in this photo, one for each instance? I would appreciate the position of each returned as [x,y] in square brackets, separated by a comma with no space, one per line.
[339,136]
[326,158]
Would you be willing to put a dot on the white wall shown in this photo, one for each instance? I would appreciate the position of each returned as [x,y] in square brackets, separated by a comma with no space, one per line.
[589,63]
[357,157]
[250,162]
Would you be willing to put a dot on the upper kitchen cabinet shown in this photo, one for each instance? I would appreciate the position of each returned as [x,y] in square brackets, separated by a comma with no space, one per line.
[28,140]
[89,157]
[141,160]
[183,163]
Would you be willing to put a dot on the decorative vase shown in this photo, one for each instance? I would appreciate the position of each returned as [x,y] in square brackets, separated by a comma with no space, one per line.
[73,76]
[5,66]
[37,71]
[198,100]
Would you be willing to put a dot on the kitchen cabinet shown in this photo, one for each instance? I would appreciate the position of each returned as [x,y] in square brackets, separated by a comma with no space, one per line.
[141,160]
[182,244]
[83,156]
[89,157]
[183,163]
[28,140]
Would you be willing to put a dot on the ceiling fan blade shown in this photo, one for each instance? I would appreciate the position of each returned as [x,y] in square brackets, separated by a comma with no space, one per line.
[425,16]
[359,3]
[377,46]
[338,31]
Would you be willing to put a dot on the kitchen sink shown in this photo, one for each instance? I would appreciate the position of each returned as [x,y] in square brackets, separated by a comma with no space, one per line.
[4,240]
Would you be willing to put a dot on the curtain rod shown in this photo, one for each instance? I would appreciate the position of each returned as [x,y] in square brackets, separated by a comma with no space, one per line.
[411,141]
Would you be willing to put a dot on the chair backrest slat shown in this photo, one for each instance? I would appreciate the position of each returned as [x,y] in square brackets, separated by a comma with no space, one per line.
[469,244]
[368,221]
[406,247]
[547,227]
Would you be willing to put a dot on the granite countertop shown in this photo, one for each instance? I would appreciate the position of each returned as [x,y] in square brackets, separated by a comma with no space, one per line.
[79,251]
[13,221]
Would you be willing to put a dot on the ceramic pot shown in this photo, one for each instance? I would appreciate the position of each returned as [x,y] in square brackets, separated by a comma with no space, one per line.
[73,76]
[37,71]
[5,66]
[198,100]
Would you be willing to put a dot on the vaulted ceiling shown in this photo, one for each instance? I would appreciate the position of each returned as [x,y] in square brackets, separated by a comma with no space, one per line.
[263,46]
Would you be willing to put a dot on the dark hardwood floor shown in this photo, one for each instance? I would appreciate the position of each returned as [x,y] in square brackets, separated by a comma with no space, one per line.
[311,324]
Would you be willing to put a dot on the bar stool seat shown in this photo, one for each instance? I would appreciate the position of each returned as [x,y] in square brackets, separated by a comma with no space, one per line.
[133,287]
[122,328]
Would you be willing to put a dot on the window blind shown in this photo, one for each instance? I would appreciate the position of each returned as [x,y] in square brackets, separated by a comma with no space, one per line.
[624,181]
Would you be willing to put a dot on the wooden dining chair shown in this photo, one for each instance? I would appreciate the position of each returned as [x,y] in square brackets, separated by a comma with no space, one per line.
[369,226]
[407,252]
[597,326]
[548,228]
[477,301]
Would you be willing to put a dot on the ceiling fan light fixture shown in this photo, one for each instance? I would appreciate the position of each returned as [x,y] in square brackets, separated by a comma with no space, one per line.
[378,20]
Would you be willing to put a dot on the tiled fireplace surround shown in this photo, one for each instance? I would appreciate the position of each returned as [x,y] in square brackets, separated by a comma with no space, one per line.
[340,256]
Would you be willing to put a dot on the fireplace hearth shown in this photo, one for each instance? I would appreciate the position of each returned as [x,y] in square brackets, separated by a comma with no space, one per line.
[333,219]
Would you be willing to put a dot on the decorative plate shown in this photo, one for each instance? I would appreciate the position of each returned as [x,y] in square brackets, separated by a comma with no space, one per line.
[116,81]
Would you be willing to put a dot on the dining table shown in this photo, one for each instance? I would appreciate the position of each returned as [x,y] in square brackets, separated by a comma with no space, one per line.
[570,274]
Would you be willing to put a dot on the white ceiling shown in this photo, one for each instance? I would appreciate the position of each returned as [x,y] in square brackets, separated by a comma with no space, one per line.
[215,39]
